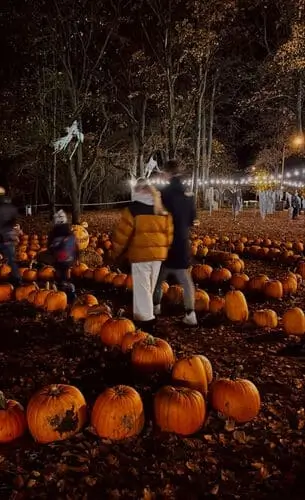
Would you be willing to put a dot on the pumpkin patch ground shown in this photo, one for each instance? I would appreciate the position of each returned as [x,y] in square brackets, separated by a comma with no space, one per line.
[260,454]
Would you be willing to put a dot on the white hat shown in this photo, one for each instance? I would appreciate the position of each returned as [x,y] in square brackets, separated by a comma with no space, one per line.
[60,217]
[2,190]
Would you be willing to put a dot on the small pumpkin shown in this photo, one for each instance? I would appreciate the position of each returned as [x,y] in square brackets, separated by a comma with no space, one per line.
[131,338]
[22,292]
[56,412]
[100,273]
[179,409]
[41,295]
[95,320]
[294,322]
[56,301]
[152,355]
[174,295]
[191,372]
[239,281]
[118,413]
[257,283]
[113,331]
[237,399]
[201,272]
[86,299]
[47,273]
[5,270]
[236,307]
[30,274]
[273,289]
[202,300]
[217,304]
[12,419]
[265,318]
[289,284]
[79,269]
[79,312]
[220,275]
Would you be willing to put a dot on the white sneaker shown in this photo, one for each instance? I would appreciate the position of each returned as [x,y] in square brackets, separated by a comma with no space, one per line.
[190,319]
[157,310]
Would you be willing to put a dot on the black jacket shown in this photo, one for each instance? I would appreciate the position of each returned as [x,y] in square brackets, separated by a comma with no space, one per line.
[182,207]
[8,218]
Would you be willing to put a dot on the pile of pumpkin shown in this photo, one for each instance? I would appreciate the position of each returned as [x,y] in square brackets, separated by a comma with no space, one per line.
[287,252]
[59,411]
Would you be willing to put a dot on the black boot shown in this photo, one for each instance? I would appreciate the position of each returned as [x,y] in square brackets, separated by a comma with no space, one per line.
[146,326]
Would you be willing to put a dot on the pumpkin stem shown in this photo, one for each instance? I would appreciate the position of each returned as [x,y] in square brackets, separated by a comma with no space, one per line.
[118,271]
[54,390]
[150,340]
[47,285]
[54,287]
[120,313]
[35,285]
[3,404]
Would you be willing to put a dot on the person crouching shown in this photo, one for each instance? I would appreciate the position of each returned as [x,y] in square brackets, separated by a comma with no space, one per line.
[144,235]
[63,247]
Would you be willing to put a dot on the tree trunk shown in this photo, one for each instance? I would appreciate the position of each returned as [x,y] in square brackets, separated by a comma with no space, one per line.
[134,150]
[75,195]
[211,125]
[196,173]
[172,121]
[299,106]
[141,138]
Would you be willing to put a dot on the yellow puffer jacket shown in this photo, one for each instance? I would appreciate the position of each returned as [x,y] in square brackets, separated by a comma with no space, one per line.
[145,231]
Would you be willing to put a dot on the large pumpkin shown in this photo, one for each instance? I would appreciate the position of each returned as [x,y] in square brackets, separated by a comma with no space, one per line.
[238,399]
[239,281]
[56,301]
[95,319]
[273,289]
[81,235]
[12,419]
[217,304]
[118,413]
[56,412]
[265,318]
[179,409]
[257,283]
[294,322]
[236,307]
[152,355]
[113,331]
[191,372]
[201,272]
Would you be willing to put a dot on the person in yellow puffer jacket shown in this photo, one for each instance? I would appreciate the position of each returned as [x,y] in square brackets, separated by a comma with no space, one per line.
[144,235]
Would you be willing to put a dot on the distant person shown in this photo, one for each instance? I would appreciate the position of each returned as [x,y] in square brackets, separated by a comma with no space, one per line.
[295,204]
[182,207]
[143,236]
[63,247]
[9,234]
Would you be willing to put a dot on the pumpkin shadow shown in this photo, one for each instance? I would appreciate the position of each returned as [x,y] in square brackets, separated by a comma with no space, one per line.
[293,351]
[268,336]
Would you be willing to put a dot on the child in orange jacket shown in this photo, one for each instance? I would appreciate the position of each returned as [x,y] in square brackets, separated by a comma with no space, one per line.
[144,235]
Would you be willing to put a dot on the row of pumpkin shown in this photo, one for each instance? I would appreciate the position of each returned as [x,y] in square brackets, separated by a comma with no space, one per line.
[233,305]
[59,411]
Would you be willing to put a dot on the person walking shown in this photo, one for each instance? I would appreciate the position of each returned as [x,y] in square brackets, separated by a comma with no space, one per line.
[63,247]
[9,234]
[143,236]
[182,207]
[296,205]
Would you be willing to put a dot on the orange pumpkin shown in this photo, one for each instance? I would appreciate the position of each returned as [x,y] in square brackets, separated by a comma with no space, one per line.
[294,322]
[6,292]
[81,235]
[5,270]
[47,273]
[237,399]
[174,294]
[95,320]
[23,291]
[265,318]
[30,274]
[257,284]
[41,295]
[239,281]
[86,299]
[100,273]
[56,301]
[119,280]
[113,331]
[131,338]
[179,409]
[118,413]
[56,412]
[12,419]
[236,307]
[79,269]
[191,372]
[273,289]
[201,272]
[202,300]
[217,305]
[152,355]
[79,312]
[220,275]
[289,284]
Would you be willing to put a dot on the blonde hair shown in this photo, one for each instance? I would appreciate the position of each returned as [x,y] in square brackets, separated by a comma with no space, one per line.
[144,185]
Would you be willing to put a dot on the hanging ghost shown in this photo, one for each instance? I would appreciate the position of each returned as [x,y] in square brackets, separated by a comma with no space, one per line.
[62,143]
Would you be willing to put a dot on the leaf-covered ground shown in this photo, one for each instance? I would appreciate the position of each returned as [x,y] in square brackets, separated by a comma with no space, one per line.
[261,459]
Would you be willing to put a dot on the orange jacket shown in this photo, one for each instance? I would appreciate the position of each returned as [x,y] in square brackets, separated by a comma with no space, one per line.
[145,231]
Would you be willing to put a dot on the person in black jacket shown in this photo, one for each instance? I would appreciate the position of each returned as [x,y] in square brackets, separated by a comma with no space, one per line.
[8,235]
[182,207]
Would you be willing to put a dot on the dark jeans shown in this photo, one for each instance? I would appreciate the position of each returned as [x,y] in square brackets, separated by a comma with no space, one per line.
[8,251]
[295,212]
[63,281]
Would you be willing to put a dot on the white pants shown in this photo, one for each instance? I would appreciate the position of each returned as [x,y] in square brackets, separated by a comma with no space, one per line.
[144,277]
